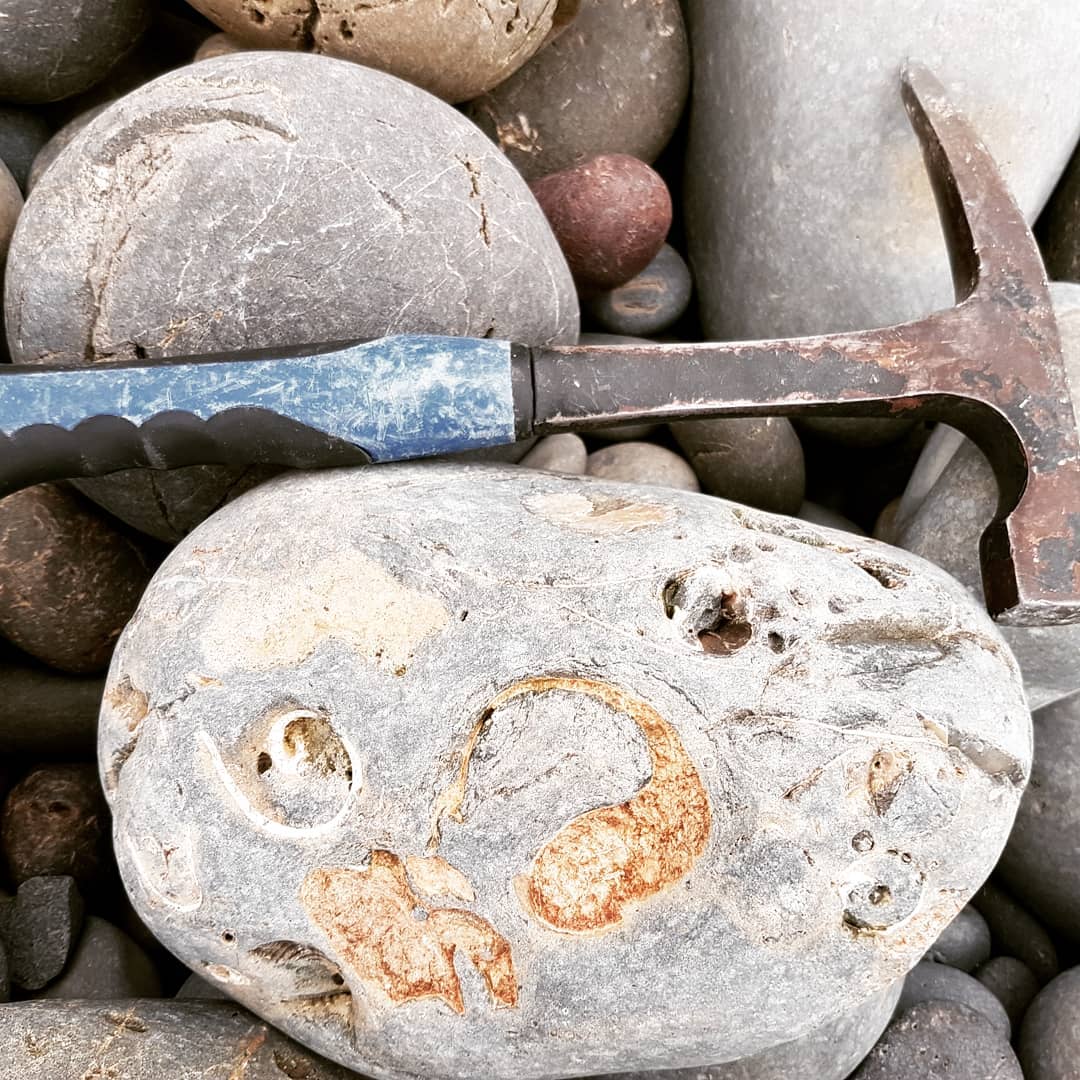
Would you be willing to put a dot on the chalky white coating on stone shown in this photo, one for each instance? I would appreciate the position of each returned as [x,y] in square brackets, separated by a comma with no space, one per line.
[793,726]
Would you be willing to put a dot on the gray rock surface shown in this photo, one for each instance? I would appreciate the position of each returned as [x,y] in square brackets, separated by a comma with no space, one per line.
[23,132]
[354,205]
[642,463]
[1041,862]
[753,460]
[808,202]
[197,989]
[940,1040]
[563,453]
[147,1040]
[51,150]
[646,304]
[1015,932]
[1012,982]
[815,743]
[614,82]
[42,927]
[964,943]
[106,965]
[929,981]
[1049,1043]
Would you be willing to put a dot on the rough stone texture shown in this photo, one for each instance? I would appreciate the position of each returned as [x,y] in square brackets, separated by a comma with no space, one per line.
[814,213]
[55,821]
[1015,933]
[564,453]
[610,214]
[55,50]
[1012,982]
[642,463]
[615,82]
[456,51]
[940,1040]
[354,205]
[1049,1043]
[106,965]
[928,981]
[492,695]
[51,150]
[141,1040]
[69,579]
[752,460]
[829,1052]
[965,942]
[1059,226]
[42,928]
[650,302]
[23,132]
[1041,863]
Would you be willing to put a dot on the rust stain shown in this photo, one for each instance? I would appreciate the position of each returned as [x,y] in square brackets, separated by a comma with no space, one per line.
[596,515]
[245,1052]
[396,947]
[432,875]
[129,702]
[886,775]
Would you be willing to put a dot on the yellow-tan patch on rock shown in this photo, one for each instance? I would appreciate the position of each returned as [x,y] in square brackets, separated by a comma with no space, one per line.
[432,875]
[596,515]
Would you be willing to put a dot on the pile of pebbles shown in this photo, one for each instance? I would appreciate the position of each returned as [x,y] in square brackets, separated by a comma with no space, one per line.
[181,179]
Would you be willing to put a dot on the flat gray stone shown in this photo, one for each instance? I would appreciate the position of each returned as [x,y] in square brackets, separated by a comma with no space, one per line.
[105,965]
[42,928]
[1012,982]
[1049,1043]
[491,695]
[809,204]
[929,981]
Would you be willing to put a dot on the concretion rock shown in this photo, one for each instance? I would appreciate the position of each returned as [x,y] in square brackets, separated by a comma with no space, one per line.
[55,821]
[829,1052]
[51,150]
[53,51]
[1015,933]
[563,453]
[752,460]
[106,965]
[610,214]
[1041,863]
[1059,226]
[490,696]
[965,942]
[940,1040]
[813,212]
[648,303]
[928,981]
[1049,1043]
[69,579]
[23,132]
[642,463]
[178,1040]
[42,928]
[456,51]
[1012,982]
[615,82]
[354,205]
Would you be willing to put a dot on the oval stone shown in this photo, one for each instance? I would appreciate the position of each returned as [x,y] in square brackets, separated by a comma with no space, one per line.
[481,770]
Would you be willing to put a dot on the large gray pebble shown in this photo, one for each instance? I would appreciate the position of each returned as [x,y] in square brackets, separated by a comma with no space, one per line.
[1049,1043]
[642,463]
[1012,982]
[929,981]
[614,82]
[51,51]
[23,132]
[940,1040]
[352,205]
[106,965]
[964,943]
[1015,932]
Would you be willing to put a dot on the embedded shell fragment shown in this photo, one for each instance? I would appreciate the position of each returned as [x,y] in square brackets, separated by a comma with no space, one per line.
[466,744]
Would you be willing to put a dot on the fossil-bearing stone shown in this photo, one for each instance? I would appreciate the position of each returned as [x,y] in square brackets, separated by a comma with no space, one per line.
[481,770]
[353,205]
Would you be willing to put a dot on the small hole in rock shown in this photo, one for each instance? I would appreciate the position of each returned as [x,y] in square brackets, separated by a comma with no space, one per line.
[463,616]
[885,574]
[228,937]
[776,642]
[879,895]
[263,763]
[346,31]
[714,616]
[257,16]
[57,807]
[337,979]
[726,639]
[862,842]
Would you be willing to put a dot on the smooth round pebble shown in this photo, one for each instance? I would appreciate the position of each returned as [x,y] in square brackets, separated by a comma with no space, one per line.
[642,463]
[648,303]
[753,460]
[964,943]
[23,132]
[1015,932]
[940,1040]
[11,203]
[1049,1042]
[54,50]
[1012,982]
[69,578]
[43,925]
[822,515]
[614,82]
[106,964]
[51,150]
[928,981]
[562,453]
[55,821]
[610,214]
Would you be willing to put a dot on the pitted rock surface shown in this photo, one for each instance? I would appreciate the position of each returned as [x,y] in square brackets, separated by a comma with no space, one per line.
[467,744]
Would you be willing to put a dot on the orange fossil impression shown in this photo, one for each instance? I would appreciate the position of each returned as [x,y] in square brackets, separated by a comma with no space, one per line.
[380,929]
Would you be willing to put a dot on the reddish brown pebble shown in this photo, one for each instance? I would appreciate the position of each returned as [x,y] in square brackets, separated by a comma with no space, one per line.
[610,214]
[69,579]
[55,821]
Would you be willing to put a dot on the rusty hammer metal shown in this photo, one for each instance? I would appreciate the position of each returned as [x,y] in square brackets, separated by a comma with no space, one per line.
[990,366]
